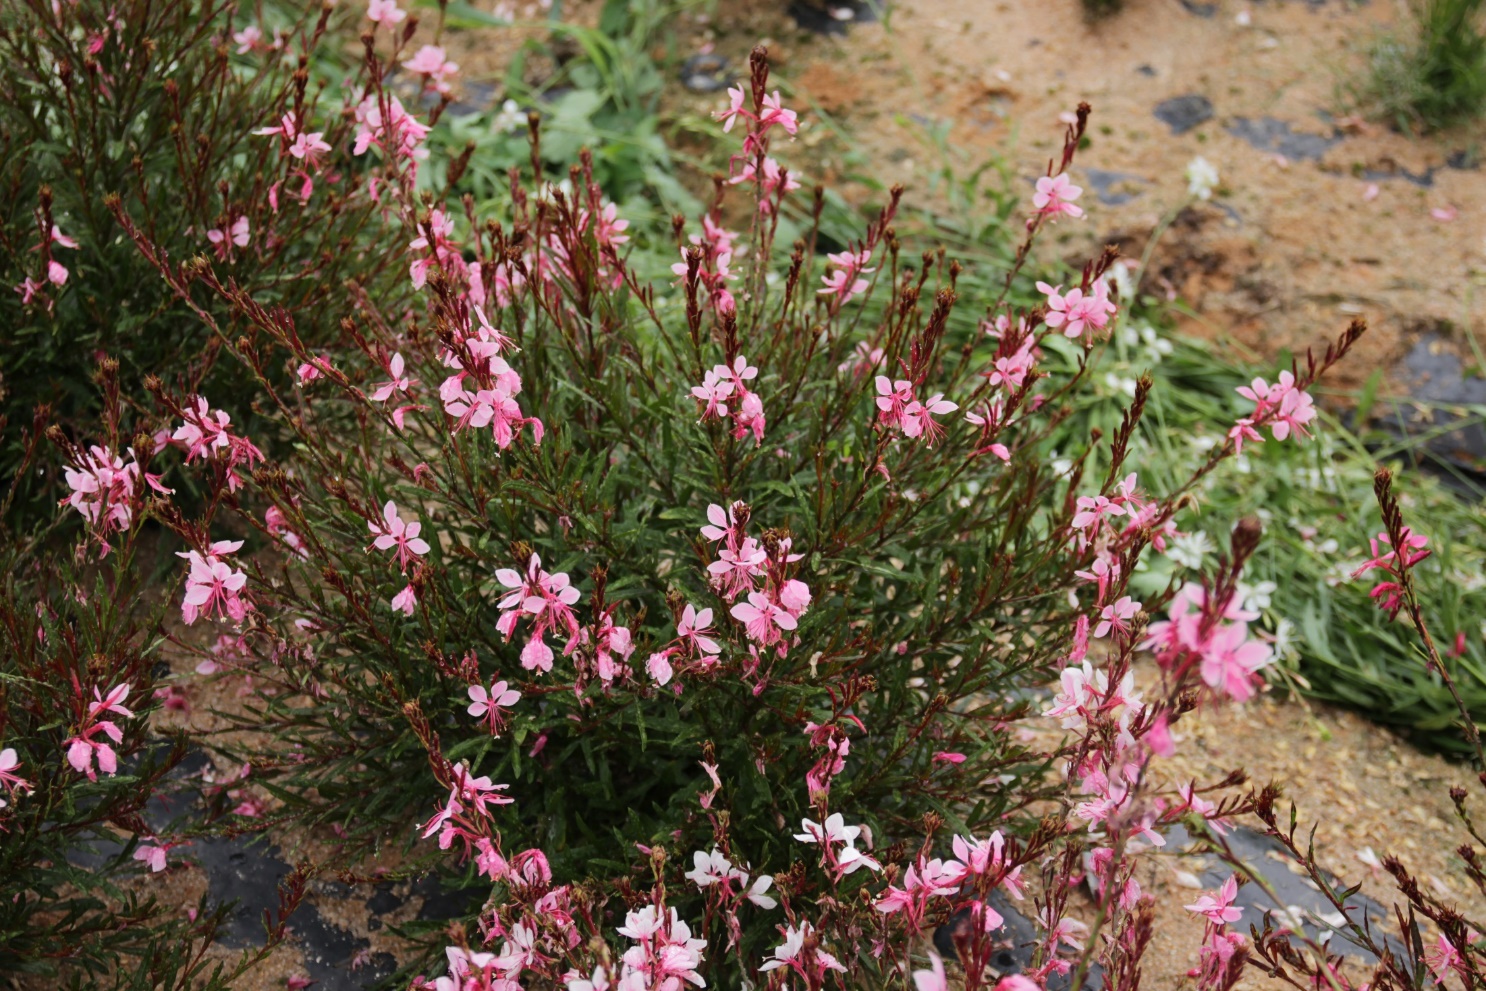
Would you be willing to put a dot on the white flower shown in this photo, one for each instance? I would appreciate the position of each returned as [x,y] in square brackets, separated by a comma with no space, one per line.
[1123,279]
[1156,345]
[1202,178]
[509,119]
[756,892]
[1255,598]
[712,868]
[1190,549]
[1284,639]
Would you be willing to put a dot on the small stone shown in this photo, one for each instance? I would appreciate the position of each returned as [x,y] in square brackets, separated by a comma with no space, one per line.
[1182,113]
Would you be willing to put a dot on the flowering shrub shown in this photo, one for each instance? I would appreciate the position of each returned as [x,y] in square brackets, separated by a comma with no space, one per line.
[124,102]
[78,682]
[590,580]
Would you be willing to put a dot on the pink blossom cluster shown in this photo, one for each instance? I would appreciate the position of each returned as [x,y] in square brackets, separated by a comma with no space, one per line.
[56,273]
[106,490]
[436,70]
[729,384]
[483,389]
[546,601]
[1394,562]
[899,410]
[206,433]
[981,863]
[1214,636]
[299,145]
[768,613]
[1094,525]
[709,262]
[384,124]
[845,279]
[465,814]
[213,587]
[695,648]
[1081,308]
[1221,960]
[84,747]
[1283,407]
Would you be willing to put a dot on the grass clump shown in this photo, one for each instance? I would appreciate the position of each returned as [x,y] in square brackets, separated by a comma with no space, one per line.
[1435,79]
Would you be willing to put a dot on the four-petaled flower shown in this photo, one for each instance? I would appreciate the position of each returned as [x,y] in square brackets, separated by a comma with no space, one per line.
[1219,908]
[1055,195]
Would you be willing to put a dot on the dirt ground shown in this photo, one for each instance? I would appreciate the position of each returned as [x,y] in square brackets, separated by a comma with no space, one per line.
[1367,793]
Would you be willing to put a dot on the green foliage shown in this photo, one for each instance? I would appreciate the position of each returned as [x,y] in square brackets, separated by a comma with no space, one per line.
[1435,77]
[72,908]
[1316,500]
[160,116]
[603,97]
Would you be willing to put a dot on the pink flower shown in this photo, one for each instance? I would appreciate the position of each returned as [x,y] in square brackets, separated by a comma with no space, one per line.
[430,62]
[28,289]
[711,394]
[1082,695]
[764,621]
[399,134]
[488,704]
[547,598]
[248,39]
[205,434]
[385,13]
[1114,615]
[893,399]
[224,238]
[308,146]
[1017,982]
[392,532]
[658,666]
[1091,509]
[1243,430]
[1075,311]
[863,359]
[1219,909]
[404,601]
[932,979]
[1296,410]
[734,109]
[774,113]
[1055,195]
[1283,406]
[152,855]
[774,183]
[845,281]
[13,782]
[810,964]
[212,586]
[694,629]
[110,703]
[397,383]
[1012,369]
[1442,958]
[1230,660]
[918,418]
[83,748]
